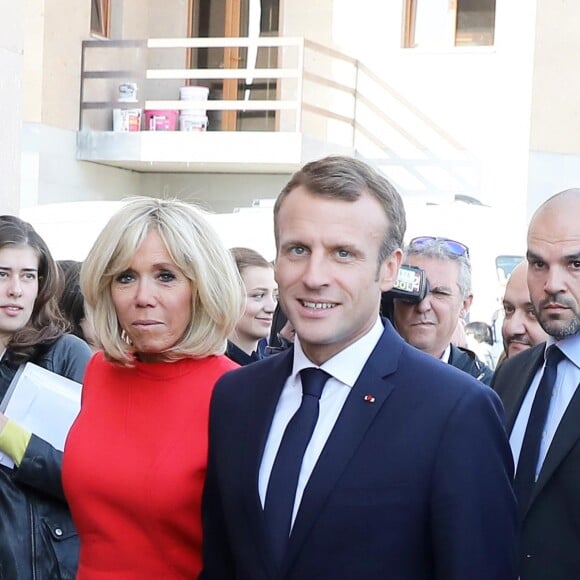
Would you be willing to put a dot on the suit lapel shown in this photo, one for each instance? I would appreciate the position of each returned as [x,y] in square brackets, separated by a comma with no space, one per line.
[513,396]
[347,435]
[270,381]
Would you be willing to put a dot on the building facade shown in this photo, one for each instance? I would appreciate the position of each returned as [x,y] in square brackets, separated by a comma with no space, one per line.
[471,101]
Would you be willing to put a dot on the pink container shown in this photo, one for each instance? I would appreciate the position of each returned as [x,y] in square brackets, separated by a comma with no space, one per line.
[157,120]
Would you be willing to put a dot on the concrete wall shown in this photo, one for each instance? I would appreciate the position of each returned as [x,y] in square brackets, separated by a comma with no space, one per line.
[451,121]
[554,161]
[474,101]
[11,46]
[66,24]
[550,173]
[217,192]
[51,174]
[556,84]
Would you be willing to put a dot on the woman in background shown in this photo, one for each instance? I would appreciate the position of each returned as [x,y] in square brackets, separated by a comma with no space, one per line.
[163,294]
[37,537]
[72,301]
[253,328]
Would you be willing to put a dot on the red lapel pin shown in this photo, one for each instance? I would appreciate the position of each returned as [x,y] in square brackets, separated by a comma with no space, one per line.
[369,398]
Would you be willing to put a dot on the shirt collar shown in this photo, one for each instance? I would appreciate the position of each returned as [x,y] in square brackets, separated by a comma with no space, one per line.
[347,364]
[446,356]
[570,346]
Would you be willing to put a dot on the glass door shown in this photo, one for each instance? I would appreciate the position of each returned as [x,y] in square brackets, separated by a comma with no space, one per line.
[235,18]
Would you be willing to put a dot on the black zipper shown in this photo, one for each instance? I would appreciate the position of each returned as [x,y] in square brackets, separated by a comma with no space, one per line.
[32,540]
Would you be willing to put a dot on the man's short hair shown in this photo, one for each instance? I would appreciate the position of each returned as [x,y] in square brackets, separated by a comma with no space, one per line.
[346,178]
[438,249]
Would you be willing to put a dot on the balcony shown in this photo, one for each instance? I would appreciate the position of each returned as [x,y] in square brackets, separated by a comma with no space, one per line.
[273,103]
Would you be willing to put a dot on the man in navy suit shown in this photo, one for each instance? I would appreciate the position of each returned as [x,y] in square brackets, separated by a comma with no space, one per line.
[407,474]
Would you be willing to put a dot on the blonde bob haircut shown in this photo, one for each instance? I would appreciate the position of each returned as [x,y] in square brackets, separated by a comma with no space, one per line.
[194,246]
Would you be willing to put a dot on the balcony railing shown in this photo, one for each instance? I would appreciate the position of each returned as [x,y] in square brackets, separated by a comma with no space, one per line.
[297,98]
[258,84]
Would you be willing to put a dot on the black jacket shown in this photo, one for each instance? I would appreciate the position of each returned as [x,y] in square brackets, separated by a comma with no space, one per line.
[235,353]
[37,538]
[466,360]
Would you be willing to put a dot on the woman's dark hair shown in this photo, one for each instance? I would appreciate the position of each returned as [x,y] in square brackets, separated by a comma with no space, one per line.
[275,342]
[46,323]
[72,302]
[481,331]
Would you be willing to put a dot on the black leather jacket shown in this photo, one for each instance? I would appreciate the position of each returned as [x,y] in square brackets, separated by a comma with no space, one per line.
[466,360]
[235,353]
[38,540]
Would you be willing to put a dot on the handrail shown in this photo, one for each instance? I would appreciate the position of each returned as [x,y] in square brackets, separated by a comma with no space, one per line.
[219,42]
[290,71]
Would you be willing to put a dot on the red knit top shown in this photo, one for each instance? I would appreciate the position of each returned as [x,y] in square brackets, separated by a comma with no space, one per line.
[134,467]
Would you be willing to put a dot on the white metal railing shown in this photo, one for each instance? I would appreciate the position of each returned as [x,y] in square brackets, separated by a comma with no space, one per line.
[101,60]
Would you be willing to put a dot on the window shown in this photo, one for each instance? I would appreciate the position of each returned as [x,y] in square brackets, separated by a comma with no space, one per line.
[100,17]
[445,23]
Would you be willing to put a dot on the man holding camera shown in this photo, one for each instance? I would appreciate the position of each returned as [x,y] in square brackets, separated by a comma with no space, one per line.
[429,323]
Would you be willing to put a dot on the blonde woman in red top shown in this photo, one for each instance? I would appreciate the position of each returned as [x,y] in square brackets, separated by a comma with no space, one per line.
[163,294]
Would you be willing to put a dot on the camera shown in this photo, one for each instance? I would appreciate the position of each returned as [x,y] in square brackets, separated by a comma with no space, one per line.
[411,286]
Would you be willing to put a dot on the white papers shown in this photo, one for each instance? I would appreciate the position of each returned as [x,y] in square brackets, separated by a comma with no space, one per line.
[42,402]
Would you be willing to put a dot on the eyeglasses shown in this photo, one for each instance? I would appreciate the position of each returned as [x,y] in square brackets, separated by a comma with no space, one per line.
[456,248]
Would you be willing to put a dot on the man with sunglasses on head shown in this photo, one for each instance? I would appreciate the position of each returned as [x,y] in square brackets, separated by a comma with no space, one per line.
[429,324]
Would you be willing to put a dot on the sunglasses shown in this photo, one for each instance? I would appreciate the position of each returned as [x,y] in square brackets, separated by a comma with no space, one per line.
[456,248]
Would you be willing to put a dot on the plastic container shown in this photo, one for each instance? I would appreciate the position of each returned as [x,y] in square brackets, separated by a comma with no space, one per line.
[192,122]
[161,120]
[126,120]
[127,93]
[194,93]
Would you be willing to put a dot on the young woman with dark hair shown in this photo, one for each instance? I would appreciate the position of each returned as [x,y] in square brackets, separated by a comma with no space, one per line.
[37,538]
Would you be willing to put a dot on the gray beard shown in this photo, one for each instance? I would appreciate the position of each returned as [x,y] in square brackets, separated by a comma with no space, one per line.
[560,329]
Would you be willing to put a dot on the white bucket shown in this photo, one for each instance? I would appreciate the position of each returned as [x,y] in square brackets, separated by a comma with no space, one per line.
[126,120]
[194,93]
[192,122]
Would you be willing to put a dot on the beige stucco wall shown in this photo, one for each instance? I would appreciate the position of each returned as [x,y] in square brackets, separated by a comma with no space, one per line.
[437,105]
[54,32]
[66,24]
[452,120]
[11,39]
[556,83]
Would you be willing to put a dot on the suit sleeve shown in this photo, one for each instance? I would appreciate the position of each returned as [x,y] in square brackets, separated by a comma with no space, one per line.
[473,509]
[218,561]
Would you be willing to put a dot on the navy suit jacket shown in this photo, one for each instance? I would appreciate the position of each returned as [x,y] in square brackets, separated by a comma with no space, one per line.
[550,530]
[415,485]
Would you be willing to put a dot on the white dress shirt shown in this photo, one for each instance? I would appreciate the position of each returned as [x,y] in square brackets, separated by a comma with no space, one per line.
[344,369]
[566,383]
[446,354]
